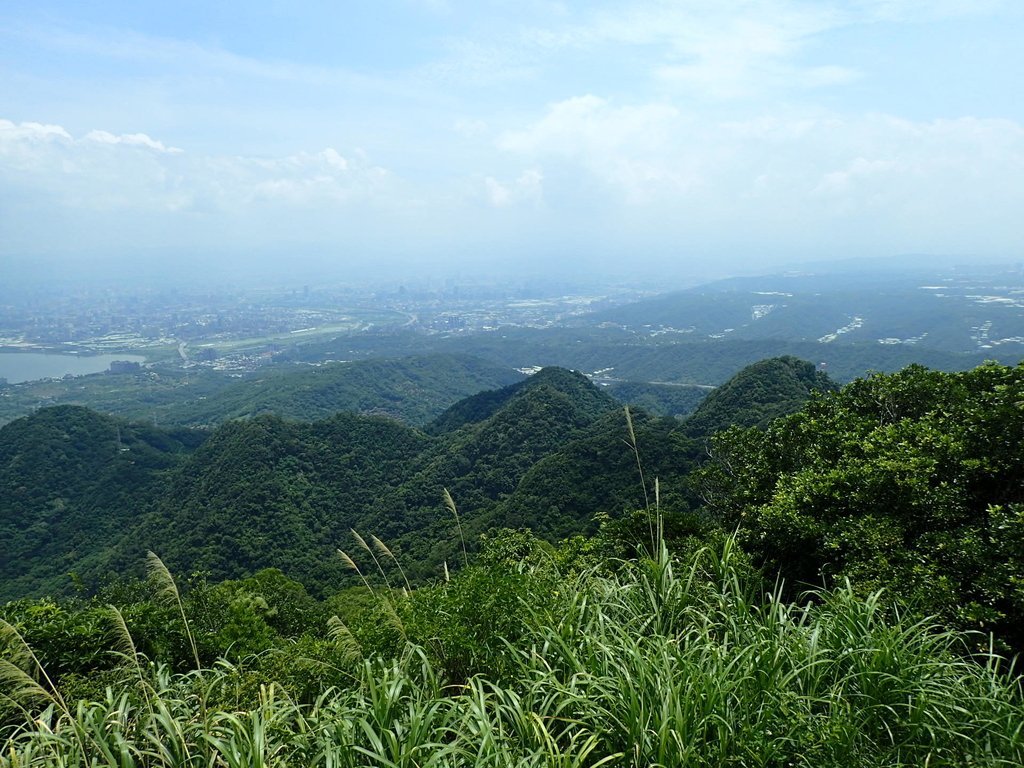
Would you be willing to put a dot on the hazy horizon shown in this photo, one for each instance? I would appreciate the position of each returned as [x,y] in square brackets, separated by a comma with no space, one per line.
[662,140]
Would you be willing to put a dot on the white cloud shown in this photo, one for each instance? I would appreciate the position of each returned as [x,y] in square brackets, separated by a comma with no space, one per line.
[841,182]
[528,187]
[619,145]
[10,131]
[108,171]
[911,185]
[334,160]
[130,140]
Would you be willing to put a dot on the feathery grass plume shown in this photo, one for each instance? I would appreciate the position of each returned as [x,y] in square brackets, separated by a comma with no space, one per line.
[125,645]
[338,631]
[20,687]
[450,503]
[631,442]
[17,670]
[447,577]
[394,620]
[657,510]
[385,552]
[352,565]
[364,545]
[167,590]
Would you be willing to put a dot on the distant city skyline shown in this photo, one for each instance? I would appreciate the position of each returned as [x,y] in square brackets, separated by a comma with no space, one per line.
[687,139]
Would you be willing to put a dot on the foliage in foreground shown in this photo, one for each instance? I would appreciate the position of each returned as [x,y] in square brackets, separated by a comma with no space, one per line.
[912,482]
[662,664]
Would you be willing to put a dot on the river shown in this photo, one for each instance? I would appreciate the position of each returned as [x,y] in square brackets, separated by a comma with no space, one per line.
[17,367]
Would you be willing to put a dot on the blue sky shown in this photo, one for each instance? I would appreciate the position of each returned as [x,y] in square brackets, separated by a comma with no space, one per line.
[685,138]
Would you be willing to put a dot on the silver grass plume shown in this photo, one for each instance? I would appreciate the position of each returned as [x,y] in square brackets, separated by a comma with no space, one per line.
[364,545]
[124,643]
[450,503]
[643,483]
[167,590]
[348,561]
[339,632]
[383,550]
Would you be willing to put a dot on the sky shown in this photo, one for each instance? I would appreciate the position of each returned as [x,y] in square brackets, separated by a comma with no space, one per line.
[655,138]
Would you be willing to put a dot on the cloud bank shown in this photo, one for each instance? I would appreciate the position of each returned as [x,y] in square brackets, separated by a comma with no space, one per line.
[658,133]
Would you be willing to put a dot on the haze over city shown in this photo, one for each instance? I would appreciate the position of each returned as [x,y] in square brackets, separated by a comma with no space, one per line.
[676,139]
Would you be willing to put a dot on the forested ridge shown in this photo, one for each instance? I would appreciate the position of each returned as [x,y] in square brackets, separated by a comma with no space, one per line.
[412,389]
[795,574]
[545,453]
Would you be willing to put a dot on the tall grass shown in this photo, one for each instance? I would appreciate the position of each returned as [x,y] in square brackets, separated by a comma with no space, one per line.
[666,664]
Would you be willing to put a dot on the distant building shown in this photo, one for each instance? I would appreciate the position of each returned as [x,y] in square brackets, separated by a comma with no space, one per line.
[124,366]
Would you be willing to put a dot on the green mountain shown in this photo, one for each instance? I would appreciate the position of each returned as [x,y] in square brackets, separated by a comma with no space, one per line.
[267,492]
[413,390]
[597,473]
[272,493]
[757,395]
[89,493]
[71,481]
[588,401]
[492,441]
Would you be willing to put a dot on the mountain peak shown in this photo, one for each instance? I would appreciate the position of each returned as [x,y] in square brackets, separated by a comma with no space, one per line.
[758,394]
[484,405]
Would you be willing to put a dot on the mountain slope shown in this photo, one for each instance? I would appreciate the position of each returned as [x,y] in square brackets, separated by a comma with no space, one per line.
[267,492]
[758,394]
[500,437]
[71,480]
[411,389]
[588,400]
[81,491]
[271,493]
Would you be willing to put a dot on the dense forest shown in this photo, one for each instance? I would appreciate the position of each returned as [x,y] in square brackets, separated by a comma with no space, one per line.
[90,494]
[795,574]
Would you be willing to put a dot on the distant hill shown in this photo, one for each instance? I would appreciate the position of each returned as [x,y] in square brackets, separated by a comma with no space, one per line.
[675,400]
[757,395]
[411,389]
[483,405]
[649,355]
[947,313]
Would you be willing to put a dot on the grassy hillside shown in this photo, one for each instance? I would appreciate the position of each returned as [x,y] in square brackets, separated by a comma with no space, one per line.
[712,643]
[668,662]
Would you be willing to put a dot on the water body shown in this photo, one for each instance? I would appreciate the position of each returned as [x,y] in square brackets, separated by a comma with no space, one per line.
[17,367]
